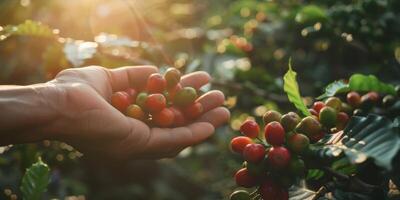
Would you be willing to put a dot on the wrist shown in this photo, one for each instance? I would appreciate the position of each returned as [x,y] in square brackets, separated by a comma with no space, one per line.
[28,112]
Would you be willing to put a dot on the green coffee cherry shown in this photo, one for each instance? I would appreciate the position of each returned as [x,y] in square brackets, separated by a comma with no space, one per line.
[327,117]
[334,102]
[141,99]
[271,116]
[185,96]
[289,121]
[388,100]
[298,143]
[309,126]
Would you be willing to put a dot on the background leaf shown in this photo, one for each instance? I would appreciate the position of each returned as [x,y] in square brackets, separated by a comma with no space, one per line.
[28,28]
[292,90]
[360,83]
[373,137]
[35,181]
[334,88]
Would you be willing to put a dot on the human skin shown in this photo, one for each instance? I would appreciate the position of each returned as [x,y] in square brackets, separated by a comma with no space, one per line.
[74,108]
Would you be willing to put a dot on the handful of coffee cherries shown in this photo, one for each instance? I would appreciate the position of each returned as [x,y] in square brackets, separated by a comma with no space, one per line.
[163,102]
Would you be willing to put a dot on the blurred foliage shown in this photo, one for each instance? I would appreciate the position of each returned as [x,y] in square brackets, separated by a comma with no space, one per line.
[244,44]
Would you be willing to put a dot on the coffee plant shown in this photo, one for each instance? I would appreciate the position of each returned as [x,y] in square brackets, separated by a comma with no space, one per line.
[345,145]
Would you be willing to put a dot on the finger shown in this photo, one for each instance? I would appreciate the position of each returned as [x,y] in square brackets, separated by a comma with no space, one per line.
[169,140]
[195,79]
[211,100]
[133,76]
[217,117]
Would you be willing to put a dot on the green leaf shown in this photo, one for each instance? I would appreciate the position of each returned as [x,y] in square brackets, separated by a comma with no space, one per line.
[374,137]
[360,83]
[311,14]
[35,181]
[365,83]
[28,28]
[291,88]
[334,88]
[314,174]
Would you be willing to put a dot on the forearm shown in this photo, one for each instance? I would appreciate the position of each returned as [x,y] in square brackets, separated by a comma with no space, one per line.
[26,112]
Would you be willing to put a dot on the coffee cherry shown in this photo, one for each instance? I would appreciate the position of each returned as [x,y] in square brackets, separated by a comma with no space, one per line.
[290,120]
[374,96]
[342,118]
[334,103]
[367,102]
[353,99]
[271,116]
[271,190]
[318,105]
[278,157]
[179,118]
[254,153]
[156,83]
[388,101]
[298,143]
[155,103]
[397,88]
[141,99]
[193,111]
[297,167]
[243,179]
[173,77]
[309,126]
[185,96]
[164,118]
[132,94]
[274,133]
[240,195]
[313,112]
[250,129]
[327,117]
[346,108]
[238,143]
[120,101]
[172,92]
[316,137]
[135,111]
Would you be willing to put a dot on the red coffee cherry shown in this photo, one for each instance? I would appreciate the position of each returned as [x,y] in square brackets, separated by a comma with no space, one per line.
[254,153]
[250,129]
[238,143]
[374,96]
[155,103]
[135,111]
[156,83]
[318,105]
[120,101]
[316,137]
[179,118]
[194,110]
[353,99]
[185,96]
[279,157]
[132,94]
[298,143]
[243,179]
[342,117]
[271,190]
[274,133]
[164,118]
[173,77]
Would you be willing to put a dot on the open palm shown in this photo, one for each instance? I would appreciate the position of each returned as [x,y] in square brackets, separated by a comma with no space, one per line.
[92,125]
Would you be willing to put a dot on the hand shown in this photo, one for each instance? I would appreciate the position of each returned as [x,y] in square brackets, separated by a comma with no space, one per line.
[91,124]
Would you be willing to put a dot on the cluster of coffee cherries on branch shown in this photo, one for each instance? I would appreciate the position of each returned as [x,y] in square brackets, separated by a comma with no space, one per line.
[163,102]
[274,160]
